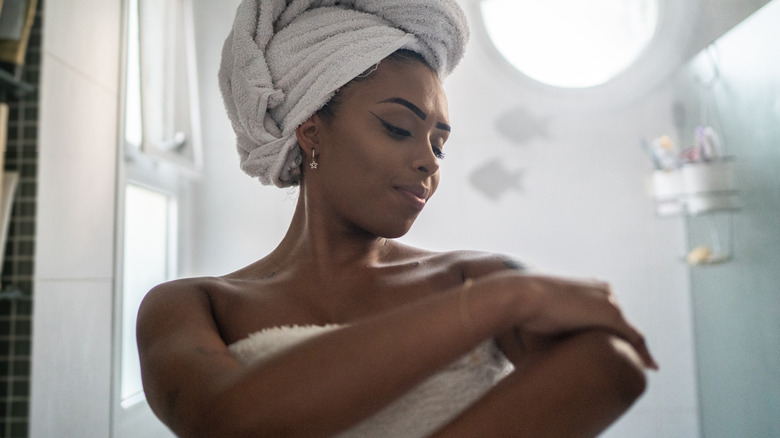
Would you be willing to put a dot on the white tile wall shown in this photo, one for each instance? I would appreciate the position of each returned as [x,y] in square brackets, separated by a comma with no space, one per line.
[77,175]
[85,34]
[71,385]
[74,266]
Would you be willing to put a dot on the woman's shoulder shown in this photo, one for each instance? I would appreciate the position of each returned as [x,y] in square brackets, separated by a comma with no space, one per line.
[474,264]
[471,263]
[191,285]
[485,259]
[222,302]
[200,292]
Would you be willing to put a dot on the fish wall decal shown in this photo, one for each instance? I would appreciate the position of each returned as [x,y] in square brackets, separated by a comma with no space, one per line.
[493,179]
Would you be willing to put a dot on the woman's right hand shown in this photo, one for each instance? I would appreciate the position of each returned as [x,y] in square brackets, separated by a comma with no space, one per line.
[552,306]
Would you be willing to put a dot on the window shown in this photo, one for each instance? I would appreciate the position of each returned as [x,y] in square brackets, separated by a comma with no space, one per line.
[162,108]
[149,258]
[570,43]
[161,151]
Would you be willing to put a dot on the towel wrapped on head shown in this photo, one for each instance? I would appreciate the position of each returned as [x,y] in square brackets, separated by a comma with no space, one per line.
[284,59]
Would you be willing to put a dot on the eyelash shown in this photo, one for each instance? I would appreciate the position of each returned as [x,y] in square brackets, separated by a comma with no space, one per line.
[401,134]
[395,131]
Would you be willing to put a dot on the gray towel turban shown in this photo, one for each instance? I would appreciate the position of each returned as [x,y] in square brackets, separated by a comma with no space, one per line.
[283,60]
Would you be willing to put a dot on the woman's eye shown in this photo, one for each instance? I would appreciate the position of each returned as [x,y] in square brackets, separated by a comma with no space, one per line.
[395,131]
[402,134]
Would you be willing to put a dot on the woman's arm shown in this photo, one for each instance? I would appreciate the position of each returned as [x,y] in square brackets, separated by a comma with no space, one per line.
[520,344]
[576,388]
[316,388]
[570,384]
[330,382]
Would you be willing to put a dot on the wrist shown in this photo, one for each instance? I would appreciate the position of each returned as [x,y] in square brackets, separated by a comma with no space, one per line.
[503,298]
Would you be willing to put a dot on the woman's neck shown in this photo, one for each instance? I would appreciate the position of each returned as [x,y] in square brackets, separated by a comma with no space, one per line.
[325,246]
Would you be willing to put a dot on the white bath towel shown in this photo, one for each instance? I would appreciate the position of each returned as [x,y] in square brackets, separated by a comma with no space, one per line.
[283,60]
[418,413]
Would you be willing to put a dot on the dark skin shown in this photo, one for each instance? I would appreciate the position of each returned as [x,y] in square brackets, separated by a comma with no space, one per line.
[579,363]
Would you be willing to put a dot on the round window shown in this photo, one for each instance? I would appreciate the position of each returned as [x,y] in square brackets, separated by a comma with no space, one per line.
[571,43]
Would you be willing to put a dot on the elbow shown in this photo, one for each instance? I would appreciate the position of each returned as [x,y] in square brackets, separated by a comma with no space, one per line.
[633,383]
[622,369]
[608,368]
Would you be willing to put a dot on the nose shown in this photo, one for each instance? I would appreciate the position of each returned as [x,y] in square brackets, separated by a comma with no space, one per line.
[425,160]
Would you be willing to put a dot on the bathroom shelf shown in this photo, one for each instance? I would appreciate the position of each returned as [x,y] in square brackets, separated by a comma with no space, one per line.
[714,260]
[696,189]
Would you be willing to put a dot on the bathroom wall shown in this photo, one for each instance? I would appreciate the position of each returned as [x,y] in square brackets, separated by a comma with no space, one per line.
[74,261]
[238,219]
[737,304]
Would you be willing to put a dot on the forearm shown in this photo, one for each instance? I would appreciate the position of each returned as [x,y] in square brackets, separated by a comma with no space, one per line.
[575,388]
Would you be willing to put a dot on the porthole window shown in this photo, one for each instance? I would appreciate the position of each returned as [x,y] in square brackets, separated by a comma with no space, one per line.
[571,43]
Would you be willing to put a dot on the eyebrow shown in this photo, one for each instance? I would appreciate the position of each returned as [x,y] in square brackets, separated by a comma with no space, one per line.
[444,127]
[416,110]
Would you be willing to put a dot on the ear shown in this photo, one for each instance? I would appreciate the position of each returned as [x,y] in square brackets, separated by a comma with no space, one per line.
[309,134]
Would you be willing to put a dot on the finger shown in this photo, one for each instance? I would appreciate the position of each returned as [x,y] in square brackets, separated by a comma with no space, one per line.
[627,331]
[637,340]
[616,322]
[647,357]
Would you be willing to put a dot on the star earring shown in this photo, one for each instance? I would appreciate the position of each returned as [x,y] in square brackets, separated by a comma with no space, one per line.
[313,163]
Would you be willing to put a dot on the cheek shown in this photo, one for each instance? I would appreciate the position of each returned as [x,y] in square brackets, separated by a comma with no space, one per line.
[368,155]
[435,182]
[359,159]
[355,167]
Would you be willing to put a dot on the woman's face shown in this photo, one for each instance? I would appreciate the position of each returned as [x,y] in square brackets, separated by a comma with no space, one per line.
[379,156]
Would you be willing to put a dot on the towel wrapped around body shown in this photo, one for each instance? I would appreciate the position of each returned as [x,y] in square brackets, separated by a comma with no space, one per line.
[418,413]
[284,59]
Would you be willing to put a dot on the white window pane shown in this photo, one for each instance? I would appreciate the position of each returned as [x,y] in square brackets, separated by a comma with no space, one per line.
[148,251]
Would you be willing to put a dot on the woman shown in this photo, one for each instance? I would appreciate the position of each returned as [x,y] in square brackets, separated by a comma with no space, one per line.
[340,329]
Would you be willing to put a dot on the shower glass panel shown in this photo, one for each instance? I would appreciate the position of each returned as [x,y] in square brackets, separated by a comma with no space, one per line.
[734,86]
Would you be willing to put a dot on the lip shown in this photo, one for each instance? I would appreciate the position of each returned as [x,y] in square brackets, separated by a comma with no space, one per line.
[415,195]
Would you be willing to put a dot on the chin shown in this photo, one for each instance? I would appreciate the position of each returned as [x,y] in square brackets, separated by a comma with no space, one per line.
[394,231]
[395,235]
[391,233]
